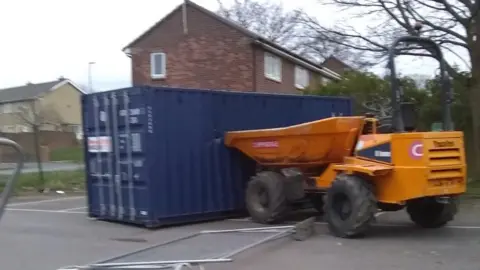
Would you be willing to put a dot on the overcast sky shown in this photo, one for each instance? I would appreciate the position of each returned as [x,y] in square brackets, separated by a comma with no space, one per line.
[43,40]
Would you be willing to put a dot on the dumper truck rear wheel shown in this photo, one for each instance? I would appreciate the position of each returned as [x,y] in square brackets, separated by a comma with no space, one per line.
[265,197]
[350,206]
[430,213]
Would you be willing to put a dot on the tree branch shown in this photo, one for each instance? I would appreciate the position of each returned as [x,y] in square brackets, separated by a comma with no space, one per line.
[425,21]
[451,10]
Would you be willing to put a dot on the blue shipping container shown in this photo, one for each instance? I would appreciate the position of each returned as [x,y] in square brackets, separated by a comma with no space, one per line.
[155,156]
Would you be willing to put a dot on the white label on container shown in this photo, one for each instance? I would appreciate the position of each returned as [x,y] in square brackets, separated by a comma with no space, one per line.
[103,116]
[133,120]
[136,142]
[102,144]
[131,112]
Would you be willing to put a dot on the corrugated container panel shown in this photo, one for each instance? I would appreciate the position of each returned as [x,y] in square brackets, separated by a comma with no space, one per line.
[155,156]
[237,111]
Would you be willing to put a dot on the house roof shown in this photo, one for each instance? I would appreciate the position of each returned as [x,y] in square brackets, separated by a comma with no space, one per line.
[258,40]
[32,90]
[333,58]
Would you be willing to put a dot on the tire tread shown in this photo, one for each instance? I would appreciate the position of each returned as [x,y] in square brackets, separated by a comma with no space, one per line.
[363,199]
[274,183]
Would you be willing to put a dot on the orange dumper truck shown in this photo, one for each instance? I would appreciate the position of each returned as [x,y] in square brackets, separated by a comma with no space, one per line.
[350,169]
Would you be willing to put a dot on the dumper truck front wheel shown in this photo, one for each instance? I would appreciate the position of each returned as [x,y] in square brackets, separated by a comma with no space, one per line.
[431,213]
[350,206]
[265,197]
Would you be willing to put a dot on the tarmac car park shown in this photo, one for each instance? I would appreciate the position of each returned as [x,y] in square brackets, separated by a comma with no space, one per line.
[47,233]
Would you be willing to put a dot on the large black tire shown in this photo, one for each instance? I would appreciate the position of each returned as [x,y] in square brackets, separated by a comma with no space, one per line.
[350,206]
[265,197]
[429,213]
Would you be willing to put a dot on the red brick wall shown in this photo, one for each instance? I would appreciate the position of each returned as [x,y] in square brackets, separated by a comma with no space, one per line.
[264,84]
[212,55]
[336,66]
[287,85]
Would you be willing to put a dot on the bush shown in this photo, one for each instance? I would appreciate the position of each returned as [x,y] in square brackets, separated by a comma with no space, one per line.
[74,154]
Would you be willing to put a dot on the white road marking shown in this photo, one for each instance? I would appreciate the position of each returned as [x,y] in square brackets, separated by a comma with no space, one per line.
[45,201]
[71,209]
[377,224]
[45,211]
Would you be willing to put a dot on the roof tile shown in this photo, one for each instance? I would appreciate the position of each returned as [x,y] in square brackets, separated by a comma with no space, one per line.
[25,92]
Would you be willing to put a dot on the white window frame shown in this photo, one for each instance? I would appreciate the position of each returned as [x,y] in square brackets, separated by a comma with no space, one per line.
[7,108]
[301,74]
[326,81]
[22,128]
[9,128]
[163,73]
[272,67]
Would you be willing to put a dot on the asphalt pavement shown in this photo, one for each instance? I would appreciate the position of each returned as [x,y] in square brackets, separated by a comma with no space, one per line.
[51,232]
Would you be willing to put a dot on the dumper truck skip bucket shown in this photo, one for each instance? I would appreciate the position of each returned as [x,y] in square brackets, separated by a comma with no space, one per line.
[313,143]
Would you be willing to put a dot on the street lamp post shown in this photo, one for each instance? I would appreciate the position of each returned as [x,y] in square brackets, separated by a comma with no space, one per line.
[90,87]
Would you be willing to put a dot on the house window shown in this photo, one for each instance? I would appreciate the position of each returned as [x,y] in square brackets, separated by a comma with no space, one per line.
[7,108]
[326,81]
[22,128]
[273,67]
[8,128]
[158,64]
[302,77]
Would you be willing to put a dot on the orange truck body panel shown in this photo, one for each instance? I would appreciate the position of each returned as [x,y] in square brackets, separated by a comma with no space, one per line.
[402,166]
[309,144]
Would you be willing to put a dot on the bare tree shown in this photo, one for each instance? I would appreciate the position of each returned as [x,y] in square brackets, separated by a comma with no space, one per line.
[267,19]
[449,24]
[453,24]
[37,115]
[271,21]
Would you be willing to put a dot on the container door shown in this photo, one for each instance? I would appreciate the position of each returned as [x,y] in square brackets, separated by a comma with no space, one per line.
[117,174]
[99,155]
[131,178]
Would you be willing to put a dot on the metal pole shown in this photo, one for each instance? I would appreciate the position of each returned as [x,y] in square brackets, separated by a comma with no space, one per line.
[397,94]
[184,17]
[151,263]
[90,87]
[10,185]
[258,229]
[270,238]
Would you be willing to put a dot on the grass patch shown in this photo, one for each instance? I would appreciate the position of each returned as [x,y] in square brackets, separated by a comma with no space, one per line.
[60,180]
[71,154]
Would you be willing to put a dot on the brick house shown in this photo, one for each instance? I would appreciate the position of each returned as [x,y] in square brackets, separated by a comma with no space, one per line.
[53,106]
[193,47]
[337,65]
